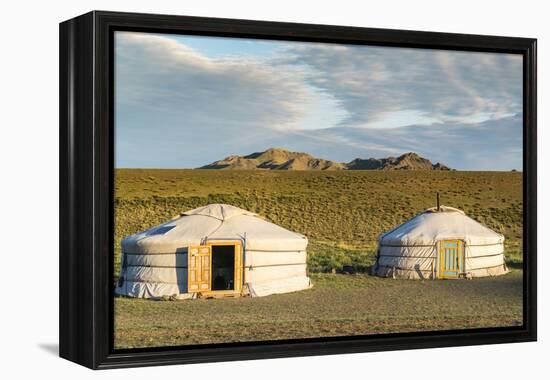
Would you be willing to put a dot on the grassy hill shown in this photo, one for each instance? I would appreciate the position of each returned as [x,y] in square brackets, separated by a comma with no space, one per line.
[341,212]
[282,159]
[275,159]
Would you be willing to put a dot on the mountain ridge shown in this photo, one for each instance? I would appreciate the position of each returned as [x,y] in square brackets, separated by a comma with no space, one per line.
[282,159]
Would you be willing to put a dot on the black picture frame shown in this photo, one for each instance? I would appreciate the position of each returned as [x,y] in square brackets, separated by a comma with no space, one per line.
[86,188]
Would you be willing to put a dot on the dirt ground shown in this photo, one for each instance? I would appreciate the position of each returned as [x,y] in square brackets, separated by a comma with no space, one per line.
[337,305]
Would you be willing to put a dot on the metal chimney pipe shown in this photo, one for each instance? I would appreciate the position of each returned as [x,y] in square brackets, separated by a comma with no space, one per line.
[438,204]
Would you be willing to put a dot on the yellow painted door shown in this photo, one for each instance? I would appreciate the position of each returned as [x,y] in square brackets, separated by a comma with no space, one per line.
[199,268]
[451,258]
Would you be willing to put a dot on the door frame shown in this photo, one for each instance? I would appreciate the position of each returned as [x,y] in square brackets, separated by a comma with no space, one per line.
[461,249]
[238,275]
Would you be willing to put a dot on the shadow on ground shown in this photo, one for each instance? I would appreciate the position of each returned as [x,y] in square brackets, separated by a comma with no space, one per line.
[51,348]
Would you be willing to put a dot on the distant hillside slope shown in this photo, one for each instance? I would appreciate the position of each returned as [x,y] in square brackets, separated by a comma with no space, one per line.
[275,159]
[407,161]
[282,159]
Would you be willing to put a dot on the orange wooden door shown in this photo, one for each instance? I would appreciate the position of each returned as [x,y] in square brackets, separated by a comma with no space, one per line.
[199,268]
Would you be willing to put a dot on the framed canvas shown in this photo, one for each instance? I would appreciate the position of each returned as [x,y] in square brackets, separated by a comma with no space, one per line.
[235,189]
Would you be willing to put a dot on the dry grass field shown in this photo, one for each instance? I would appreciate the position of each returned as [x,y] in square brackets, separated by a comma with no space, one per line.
[337,305]
[342,213]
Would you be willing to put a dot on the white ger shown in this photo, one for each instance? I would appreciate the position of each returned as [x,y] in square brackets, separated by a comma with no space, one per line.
[213,251]
[442,242]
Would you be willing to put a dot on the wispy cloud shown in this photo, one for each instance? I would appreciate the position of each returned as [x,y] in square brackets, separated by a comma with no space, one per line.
[162,75]
[372,83]
[172,102]
[489,145]
[179,106]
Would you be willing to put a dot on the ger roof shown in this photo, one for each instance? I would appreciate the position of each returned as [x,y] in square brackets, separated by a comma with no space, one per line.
[214,222]
[444,223]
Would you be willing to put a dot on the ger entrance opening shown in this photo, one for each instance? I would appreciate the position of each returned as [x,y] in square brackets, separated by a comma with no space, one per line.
[223,267]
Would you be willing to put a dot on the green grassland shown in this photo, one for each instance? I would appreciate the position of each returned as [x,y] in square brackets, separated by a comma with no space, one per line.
[342,213]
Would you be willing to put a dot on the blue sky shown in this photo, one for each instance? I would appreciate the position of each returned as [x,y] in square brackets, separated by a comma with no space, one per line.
[185,101]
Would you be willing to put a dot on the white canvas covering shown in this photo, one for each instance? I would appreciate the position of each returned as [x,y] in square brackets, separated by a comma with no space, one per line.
[154,262]
[410,250]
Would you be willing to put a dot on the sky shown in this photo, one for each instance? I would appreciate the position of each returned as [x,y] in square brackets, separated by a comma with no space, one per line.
[186,101]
